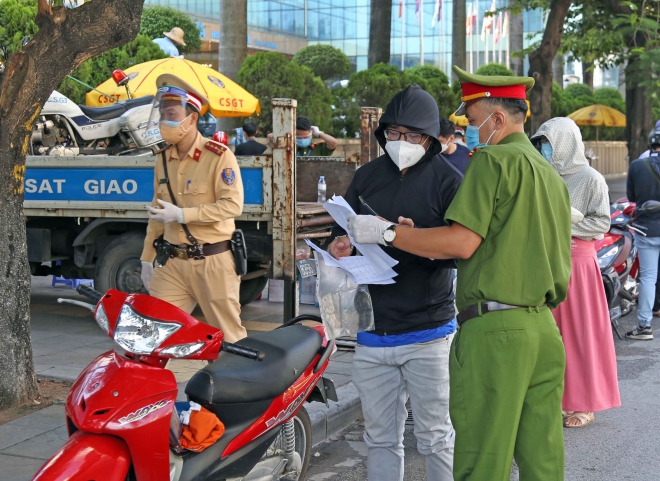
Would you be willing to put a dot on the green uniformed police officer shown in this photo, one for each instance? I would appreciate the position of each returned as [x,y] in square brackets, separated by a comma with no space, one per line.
[511,230]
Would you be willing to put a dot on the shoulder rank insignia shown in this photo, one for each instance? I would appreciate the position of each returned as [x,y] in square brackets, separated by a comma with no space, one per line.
[215,147]
[472,152]
[228,176]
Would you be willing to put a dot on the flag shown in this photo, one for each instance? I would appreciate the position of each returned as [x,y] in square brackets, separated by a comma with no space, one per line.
[468,22]
[488,22]
[401,9]
[417,11]
[437,13]
[505,25]
[475,24]
[498,28]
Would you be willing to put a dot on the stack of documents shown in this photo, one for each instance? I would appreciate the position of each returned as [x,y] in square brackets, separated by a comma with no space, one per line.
[374,266]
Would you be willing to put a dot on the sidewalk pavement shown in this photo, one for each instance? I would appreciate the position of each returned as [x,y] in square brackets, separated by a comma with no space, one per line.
[65,339]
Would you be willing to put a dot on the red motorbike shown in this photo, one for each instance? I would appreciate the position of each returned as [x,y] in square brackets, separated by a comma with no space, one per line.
[121,416]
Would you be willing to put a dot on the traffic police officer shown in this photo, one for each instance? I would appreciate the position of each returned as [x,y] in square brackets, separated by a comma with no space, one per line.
[511,230]
[205,180]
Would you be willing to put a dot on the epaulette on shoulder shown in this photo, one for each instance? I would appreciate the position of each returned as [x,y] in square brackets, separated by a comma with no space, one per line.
[215,147]
[472,152]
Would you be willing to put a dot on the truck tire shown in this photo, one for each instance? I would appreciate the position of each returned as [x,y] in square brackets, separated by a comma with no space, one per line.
[251,289]
[118,266]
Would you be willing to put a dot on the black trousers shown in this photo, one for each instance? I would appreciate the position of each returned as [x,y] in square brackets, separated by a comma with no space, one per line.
[656,304]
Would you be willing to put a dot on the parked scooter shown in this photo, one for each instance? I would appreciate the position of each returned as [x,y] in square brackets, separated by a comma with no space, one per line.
[66,129]
[121,415]
[618,261]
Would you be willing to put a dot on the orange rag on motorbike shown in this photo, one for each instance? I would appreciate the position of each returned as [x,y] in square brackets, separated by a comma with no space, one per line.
[203,430]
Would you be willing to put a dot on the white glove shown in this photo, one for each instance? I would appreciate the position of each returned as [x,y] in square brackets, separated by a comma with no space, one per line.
[367,229]
[166,214]
[315,131]
[145,275]
[576,216]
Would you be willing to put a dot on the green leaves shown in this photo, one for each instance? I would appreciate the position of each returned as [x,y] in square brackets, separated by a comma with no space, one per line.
[494,69]
[156,20]
[17,21]
[324,61]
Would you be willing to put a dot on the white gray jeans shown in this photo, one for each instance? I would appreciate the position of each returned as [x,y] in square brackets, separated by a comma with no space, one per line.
[385,377]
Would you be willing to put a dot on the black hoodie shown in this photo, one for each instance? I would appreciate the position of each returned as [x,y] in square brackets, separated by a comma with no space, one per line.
[642,186]
[422,297]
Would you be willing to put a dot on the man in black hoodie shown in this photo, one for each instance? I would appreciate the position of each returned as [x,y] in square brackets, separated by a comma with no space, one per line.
[407,354]
[644,184]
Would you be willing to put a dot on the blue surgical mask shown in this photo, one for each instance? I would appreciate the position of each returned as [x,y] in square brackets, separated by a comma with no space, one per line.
[546,151]
[171,123]
[472,135]
[304,143]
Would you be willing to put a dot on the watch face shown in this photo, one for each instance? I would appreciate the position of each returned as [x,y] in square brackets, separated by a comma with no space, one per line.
[389,235]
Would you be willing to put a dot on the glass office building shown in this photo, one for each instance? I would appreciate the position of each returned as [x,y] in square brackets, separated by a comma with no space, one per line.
[289,25]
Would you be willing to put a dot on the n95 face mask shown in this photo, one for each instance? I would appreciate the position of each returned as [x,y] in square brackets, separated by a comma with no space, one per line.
[404,154]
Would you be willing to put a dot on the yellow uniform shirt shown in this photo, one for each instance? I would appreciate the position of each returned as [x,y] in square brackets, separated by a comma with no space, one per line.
[208,187]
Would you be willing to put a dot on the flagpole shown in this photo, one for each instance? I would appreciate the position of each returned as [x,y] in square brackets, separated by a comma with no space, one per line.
[403,34]
[506,20]
[469,31]
[421,32]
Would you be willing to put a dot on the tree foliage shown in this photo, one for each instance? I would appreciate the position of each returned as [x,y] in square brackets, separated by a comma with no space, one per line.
[269,75]
[324,61]
[156,20]
[578,90]
[494,69]
[99,69]
[16,21]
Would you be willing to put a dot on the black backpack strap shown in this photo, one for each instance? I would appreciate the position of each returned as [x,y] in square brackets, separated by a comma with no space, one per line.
[189,236]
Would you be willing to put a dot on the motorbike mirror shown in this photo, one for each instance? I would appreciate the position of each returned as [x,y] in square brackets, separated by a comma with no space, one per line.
[120,77]
[26,40]
[650,206]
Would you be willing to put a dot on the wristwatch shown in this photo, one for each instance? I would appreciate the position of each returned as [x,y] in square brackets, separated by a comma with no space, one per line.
[389,235]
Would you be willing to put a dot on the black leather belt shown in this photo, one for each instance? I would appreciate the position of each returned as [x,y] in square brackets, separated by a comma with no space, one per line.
[187,251]
[486,307]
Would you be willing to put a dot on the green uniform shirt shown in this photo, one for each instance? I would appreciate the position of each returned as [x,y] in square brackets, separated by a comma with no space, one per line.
[317,149]
[519,205]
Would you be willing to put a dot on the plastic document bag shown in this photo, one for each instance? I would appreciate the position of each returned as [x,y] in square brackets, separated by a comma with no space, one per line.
[346,307]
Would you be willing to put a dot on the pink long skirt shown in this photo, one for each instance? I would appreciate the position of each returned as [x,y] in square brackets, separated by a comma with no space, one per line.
[591,376]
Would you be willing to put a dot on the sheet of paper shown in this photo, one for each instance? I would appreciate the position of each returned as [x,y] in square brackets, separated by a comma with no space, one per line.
[339,209]
[358,268]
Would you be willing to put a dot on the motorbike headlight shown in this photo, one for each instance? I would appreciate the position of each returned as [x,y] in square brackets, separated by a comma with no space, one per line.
[102,319]
[141,335]
[182,350]
[607,257]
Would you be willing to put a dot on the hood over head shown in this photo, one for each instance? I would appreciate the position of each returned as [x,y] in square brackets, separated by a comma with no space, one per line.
[415,109]
[567,147]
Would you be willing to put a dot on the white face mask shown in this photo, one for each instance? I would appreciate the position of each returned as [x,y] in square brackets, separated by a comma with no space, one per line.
[404,154]
[444,147]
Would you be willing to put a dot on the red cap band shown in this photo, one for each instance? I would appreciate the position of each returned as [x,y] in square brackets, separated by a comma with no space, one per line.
[472,91]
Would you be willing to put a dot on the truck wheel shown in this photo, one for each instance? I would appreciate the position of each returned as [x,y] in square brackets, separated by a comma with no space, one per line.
[251,289]
[118,266]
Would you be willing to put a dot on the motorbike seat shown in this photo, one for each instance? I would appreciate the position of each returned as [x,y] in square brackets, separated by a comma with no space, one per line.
[115,110]
[234,379]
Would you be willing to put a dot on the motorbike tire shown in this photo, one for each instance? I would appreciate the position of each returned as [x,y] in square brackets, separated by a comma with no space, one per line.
[118,266]
[305,424]
[251,289]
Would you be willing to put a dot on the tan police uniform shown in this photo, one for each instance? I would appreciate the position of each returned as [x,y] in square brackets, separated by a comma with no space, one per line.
[207,185]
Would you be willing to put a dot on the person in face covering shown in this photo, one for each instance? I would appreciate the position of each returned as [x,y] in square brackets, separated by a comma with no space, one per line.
[590,382]
[310,141]
[197,224]
[406,356]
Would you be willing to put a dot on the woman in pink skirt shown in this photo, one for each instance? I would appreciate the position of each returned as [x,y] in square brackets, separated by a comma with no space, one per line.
[584,322]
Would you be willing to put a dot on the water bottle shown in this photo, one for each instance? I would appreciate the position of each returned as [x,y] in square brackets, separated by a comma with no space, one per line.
[321,190]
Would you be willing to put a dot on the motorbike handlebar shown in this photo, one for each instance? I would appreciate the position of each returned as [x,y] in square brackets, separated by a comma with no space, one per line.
[243,351]
[86,291]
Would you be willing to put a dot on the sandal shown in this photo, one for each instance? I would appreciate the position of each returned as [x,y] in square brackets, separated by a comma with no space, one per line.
[565,414]
[584,418]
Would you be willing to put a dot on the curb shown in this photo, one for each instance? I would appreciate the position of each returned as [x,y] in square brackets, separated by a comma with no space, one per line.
[327,421]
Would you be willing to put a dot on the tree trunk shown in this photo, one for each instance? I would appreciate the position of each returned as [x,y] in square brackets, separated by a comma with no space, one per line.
[558,70]
[458,38]
[516,37]
[588,74]
[639,114]
[233,48]
[66,38]
[380,29]
[540,63]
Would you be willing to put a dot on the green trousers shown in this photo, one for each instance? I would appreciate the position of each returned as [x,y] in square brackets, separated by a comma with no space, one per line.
[506,373]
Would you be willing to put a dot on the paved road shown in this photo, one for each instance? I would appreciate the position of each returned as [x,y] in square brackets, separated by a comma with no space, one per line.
[623,443]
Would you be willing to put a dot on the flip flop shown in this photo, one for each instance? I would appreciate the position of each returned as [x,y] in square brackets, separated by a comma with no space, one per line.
[584,418]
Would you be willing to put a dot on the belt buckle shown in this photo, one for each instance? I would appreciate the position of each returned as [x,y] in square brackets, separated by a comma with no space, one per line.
[181,253]
[196,252]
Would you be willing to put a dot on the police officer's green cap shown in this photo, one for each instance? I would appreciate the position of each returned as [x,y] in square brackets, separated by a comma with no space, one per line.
[475,87]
